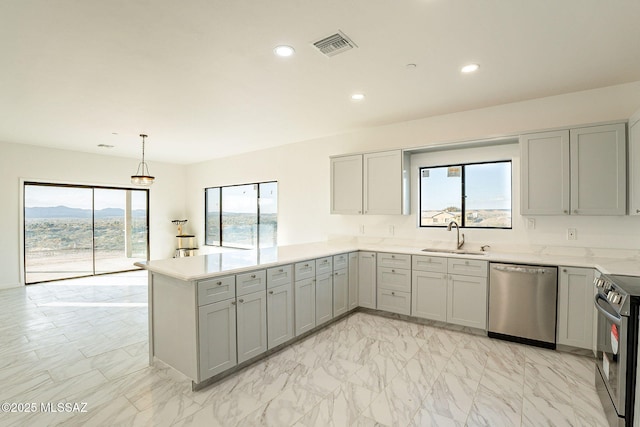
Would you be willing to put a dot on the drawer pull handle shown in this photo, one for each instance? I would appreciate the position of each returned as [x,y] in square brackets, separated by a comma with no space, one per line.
[218,283]
[393,293]
[393,271]
[393,256]
[306,265]
[233,303]
[253,276]
[281,270]
[270,292]
[241,300]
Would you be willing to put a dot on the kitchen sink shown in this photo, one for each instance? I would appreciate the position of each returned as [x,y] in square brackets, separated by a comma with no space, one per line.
[454,251]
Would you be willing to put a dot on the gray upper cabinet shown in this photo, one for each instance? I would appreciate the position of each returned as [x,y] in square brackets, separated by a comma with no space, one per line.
[634,165]
[579,171]
[598,170]
[346,185]
[370,183]
[383,183]
[545,173]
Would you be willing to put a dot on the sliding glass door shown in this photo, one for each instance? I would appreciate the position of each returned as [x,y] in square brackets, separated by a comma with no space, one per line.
[73,231]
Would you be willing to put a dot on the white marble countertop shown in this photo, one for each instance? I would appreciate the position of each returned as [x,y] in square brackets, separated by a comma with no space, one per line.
[211,265]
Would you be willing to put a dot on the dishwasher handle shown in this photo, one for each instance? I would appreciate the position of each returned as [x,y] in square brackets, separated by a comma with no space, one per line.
[518,269]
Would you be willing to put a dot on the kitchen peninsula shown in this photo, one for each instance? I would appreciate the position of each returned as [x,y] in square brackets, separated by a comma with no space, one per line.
[210,315]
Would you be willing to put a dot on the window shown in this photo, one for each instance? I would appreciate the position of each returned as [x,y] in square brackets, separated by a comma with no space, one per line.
[475,195]
[242,216]
[77,230]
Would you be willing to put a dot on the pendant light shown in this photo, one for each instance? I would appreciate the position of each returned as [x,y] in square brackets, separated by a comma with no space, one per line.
[142,176]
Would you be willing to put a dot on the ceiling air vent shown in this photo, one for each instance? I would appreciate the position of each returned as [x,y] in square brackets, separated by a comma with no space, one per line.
[335,44]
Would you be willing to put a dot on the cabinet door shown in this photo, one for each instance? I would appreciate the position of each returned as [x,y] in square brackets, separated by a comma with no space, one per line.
[467,301]
[279,315]
[429,295]
[544,180]
[353,280]
[367,279]
[217,336]
[575,307]
[634,165]
[346,185]
[252,325]
[305,307]
[383,183]
[340,292]
[324,298]
[598,170]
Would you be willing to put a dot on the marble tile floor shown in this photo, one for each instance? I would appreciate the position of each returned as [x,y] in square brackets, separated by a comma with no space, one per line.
[85,341]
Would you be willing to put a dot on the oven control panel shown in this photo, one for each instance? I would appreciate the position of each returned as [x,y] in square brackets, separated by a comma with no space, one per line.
[610,291]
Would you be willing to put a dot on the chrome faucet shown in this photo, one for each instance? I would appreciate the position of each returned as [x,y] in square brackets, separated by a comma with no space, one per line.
[459,242]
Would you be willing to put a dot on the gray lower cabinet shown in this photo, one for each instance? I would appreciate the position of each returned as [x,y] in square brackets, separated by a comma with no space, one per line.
[575,307]
[279,315]
[340,291]
[429,295]
[394,283]
[467,301]
[324,298]
[251,325]
[367,279]
[217,337]
[353,280]
[305,305]
[394,301]
[452,290]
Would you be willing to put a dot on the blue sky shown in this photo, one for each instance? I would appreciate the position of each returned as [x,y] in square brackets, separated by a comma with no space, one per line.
[79,197]
[488,186]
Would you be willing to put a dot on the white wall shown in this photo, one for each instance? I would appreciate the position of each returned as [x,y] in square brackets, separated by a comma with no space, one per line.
[166,196]
[302,171]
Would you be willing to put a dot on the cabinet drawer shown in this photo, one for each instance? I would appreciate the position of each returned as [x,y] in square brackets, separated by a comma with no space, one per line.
[394,260]
[324,265]
[305,270]
[217,289]
[340,261]
[279,276]
[394,301]
[429,263]
[253,281]
[469,267]
[397,279]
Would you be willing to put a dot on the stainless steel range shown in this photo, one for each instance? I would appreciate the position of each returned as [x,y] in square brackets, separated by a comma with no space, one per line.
[617,301]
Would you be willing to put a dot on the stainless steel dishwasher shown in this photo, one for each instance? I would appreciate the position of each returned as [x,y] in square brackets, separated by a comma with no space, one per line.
[522,303]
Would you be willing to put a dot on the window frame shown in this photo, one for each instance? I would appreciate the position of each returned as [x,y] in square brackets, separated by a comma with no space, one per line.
[463,193]
[220,216]
[47,183]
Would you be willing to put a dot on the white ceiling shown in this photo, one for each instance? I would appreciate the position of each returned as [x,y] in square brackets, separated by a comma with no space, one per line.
[200,77]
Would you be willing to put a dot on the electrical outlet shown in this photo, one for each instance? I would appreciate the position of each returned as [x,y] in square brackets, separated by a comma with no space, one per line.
[572,234]
[362,229]
[391,230]
[531,223]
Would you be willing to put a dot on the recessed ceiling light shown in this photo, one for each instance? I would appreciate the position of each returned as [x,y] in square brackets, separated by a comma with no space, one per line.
[105,146]
[357,96]
[470,68]
[284,51]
